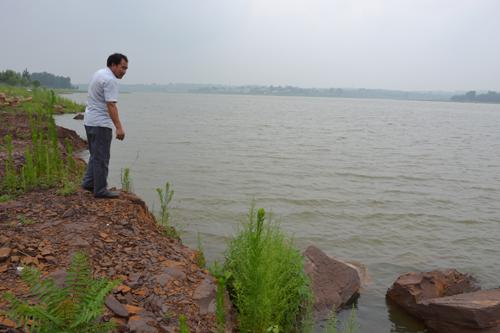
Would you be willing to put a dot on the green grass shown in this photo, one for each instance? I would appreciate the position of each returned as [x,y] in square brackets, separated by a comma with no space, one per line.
[45,165]
[48,99]
[268,285]
[333,324]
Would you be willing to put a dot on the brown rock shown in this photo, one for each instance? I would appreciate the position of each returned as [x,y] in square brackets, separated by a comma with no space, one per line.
[14,259]
[78,242]
[7,322]
[412,288]
[4,253]
[168,274]
[30,261]
[69,213]
[118,308]
[204,295]
[134,280]
[122,289]
[334,283]
[59,276]
[465,313]
[141,324]
[78,116]
[132,309]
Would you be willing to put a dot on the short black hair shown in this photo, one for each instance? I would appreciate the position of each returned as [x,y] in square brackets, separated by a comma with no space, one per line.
[116,59]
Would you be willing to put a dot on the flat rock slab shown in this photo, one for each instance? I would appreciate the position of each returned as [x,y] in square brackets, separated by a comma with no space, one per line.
[477,310]
[118,308]
[4,253]
[412,288]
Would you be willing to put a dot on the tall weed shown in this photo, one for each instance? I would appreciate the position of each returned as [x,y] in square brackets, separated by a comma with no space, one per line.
[126,180]
[268,284]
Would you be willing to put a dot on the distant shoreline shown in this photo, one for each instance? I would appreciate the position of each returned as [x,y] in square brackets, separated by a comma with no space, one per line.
[420,96]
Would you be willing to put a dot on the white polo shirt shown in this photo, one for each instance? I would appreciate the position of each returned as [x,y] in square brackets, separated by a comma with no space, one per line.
[102,88]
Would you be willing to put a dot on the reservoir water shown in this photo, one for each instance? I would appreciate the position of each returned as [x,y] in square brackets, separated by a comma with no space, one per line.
[395,185]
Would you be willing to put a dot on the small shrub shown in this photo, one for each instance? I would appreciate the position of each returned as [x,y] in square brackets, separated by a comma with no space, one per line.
[183,326]
[165,196]
[199,255]
[76,307]
[268,284]
[24,220]
[126,180]
[222,277]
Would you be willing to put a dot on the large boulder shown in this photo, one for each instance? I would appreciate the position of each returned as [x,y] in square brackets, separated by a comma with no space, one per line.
[334,283]
[448,301]
[465,313]
[411,289]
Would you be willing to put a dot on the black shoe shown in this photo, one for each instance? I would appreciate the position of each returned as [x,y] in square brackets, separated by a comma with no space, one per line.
[90,189]
[107,195]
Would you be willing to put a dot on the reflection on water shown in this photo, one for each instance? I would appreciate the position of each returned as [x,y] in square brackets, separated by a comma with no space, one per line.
[396,185]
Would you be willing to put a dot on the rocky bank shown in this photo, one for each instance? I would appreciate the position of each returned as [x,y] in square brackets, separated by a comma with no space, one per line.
[160,277]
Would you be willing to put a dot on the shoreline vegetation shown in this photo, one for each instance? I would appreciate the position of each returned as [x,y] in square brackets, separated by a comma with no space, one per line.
[63,85]
[50,224]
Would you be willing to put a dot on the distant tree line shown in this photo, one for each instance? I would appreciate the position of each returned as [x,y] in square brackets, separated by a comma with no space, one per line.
[322,92]
[25,79]
[472,96]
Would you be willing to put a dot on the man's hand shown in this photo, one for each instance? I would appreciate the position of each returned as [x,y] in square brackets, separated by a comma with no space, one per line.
[120,134]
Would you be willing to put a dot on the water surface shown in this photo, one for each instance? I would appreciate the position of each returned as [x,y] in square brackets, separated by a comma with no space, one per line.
[395,185]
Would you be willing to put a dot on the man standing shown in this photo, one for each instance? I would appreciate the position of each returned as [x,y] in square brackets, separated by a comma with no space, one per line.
[101,114]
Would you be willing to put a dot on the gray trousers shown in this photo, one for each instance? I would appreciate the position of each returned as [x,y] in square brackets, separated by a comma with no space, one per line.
[96,176]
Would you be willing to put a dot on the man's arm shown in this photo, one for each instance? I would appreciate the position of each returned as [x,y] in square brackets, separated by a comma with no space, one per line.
[113,113]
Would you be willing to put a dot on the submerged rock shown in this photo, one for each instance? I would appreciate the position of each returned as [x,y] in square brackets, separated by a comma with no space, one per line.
[334,283]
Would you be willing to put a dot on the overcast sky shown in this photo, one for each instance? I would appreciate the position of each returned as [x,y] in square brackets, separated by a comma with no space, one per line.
[394,44]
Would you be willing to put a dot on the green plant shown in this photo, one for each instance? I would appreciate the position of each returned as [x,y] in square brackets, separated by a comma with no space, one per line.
[350,326]
[221,277]
[10,180]
[24,220]
[165,197]
[199,255]
[126,180]
[69,187]
[268,284]
[75,307]
[44,165]
[5,198]
[183,326]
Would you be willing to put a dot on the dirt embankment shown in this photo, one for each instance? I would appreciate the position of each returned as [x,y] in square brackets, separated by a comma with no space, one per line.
[160,277]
